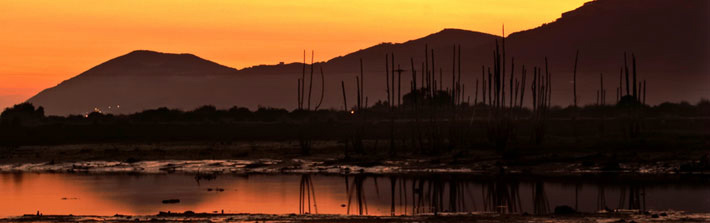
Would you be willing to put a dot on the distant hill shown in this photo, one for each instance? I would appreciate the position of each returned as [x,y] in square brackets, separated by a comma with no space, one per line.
[670,39]
[132,82]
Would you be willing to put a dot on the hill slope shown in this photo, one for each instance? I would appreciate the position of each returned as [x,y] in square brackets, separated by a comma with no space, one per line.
[669,38]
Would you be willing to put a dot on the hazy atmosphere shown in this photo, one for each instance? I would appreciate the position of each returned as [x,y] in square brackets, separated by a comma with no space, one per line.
[398,111]
[45,42]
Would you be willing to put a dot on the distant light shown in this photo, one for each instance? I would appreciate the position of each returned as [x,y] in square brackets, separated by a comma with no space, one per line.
[352,111]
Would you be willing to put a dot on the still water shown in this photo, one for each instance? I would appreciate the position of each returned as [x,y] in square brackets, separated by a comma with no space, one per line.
[109,194]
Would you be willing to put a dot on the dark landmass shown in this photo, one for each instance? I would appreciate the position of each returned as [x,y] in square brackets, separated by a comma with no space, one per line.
[674,138]
[669,38]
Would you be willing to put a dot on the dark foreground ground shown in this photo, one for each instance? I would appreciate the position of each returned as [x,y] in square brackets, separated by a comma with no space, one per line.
[671,149]
[464,217]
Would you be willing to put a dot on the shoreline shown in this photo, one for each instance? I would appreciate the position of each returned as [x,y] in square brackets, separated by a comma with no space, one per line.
[327,157]
[621,216]
[332,167]
[654,167]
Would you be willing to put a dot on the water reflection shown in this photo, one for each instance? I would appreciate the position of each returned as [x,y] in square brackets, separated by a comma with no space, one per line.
[361,194]
[306,192]
[356,190]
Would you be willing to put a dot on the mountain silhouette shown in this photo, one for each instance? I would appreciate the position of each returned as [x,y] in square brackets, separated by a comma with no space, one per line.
[145,63]
[670,39]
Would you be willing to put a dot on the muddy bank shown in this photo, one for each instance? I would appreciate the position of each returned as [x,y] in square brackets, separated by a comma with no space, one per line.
[660,216]
[327,157]
[331,166]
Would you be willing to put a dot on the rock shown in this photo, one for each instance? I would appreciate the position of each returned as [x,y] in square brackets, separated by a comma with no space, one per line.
[564,209]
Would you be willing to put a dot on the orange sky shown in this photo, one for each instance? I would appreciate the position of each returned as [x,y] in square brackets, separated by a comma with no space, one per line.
[43,42]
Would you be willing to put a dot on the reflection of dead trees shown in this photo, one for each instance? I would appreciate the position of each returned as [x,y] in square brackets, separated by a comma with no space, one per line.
[502,197]
[540,203]
[636,198]
[400,189]
[457,201]
[435,195]
[412,196]
[601,198]
[577,188]
[356,189]
[306,192]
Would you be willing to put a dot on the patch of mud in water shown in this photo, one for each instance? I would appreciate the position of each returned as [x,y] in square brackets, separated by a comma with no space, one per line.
[331,166]
[221,166]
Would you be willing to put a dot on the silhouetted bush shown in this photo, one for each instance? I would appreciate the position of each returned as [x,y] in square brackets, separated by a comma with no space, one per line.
[22,114]
[24,124]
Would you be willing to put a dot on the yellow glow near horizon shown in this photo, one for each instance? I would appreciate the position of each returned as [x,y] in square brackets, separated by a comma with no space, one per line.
[43,42]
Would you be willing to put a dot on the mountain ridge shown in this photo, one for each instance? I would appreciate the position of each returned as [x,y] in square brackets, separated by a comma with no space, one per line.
[664,43]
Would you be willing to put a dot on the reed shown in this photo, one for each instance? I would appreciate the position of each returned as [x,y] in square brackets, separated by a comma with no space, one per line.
[387,80]
[322,89]
[345,98]
[541,205]
[303,83]
[304,134]
[626,74]
[362,83]
[357,92]
[522,87]
[574,78]
[632,102]
[458,80]
[399,86]
[310,85]
[542,95]
[475,97]
[483,84]
[633,62]
[500,123]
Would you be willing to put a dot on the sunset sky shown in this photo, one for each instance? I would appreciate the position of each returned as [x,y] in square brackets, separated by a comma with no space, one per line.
[45,42]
